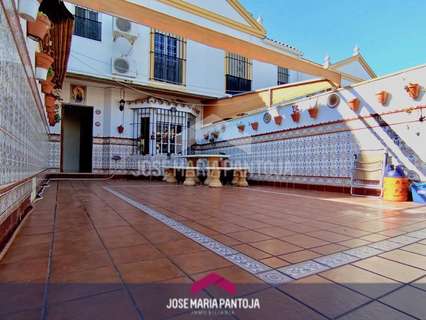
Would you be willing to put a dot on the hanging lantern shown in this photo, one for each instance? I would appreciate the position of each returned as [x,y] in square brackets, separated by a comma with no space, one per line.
[122,104]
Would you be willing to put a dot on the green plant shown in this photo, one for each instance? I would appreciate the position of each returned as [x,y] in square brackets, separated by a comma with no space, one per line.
[50,73]
[57,117]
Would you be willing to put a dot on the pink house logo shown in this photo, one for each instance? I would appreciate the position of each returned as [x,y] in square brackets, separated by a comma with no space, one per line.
[213,279]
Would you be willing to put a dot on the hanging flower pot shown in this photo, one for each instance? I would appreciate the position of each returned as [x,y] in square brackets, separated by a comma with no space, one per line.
[215,134]
[38,29]
[413,90]
[120,129]
[382,97]
[50,108]
[43,63]
[46,87]
[50,100]
[313,111]
[51,117]
[296,113]
[354,104]
[28,9]
[278,120]
[206,136]
[241,127]
[255,125]
[50,75]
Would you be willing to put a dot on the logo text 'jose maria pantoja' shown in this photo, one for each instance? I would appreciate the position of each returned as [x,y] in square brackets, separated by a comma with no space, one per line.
[209,304]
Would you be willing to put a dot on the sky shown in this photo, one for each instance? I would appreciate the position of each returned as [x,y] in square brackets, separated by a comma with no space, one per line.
[391,34]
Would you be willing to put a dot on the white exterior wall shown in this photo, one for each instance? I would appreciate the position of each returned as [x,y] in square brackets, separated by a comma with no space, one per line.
[205,71]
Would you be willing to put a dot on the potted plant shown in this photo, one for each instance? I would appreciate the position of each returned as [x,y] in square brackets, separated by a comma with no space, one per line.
[413,90]
[50,101]
[215,134]
[278,119]
[120,129]
[57,118]
[255,125]
[241,127]
[295,114]
[354,104]
[43,62]
[206,136]
[382,97]
[28,9]
[313,111]
[46,85]
[51,116]
[38,29]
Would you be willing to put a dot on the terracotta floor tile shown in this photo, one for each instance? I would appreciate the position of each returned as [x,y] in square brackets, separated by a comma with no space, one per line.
[405,257]
[324,296]
[108,306]
[135,253]
[299,256]
[409,300]
[390,269]
[248,236]
[276,305]
[28,240]
[161,236]
[68,263]
[224,239]
[353,243]
[124,240]
[329,249]
[200,262]
[376,311]
[276,232]
[251,252]
[24,253]
[276,247]
[178,247]
[421,283]
[416,248]
[28,271]
[374,237]
[360,280]
[304,241]
[149,271]
[329,236]
[274,262]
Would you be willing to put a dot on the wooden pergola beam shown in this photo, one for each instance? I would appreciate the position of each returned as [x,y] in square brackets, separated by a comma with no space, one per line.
[155,19]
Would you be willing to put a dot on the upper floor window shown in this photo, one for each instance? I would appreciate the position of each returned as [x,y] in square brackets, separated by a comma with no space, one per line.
[238,73]
[168,57]
[283,75]
[87,24]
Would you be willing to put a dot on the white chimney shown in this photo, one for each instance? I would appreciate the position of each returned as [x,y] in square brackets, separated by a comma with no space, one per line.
[356,51]
[326,62]
[260,20]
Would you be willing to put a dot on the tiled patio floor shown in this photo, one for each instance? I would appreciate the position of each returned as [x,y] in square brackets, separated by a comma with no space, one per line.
[88,251]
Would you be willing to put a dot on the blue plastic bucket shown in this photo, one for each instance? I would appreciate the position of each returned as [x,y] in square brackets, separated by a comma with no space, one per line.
[418,191]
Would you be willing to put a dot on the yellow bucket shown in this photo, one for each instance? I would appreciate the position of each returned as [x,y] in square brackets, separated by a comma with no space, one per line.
[395,189]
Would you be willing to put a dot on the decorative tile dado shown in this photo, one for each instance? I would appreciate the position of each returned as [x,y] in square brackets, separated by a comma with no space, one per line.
[24,145]
[274,277]
[303,269]
[363,252]
[335,260]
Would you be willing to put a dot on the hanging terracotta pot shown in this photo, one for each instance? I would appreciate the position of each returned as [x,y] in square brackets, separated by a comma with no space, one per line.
[50,100]
[28,9]
[51,108]
[120,129]
[295,116]
[46,87]
[206,136]
[278,120]
[241,127]
[354,104]
[51,117]
[413,90]
[382,97]
[215,134]
[43,62]
[255,125]
[313,112]
[38,29]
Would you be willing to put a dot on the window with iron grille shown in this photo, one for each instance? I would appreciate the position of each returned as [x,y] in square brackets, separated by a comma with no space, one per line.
[283,75]
[87,24]
[168,57]
[238,73]
[162,131]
